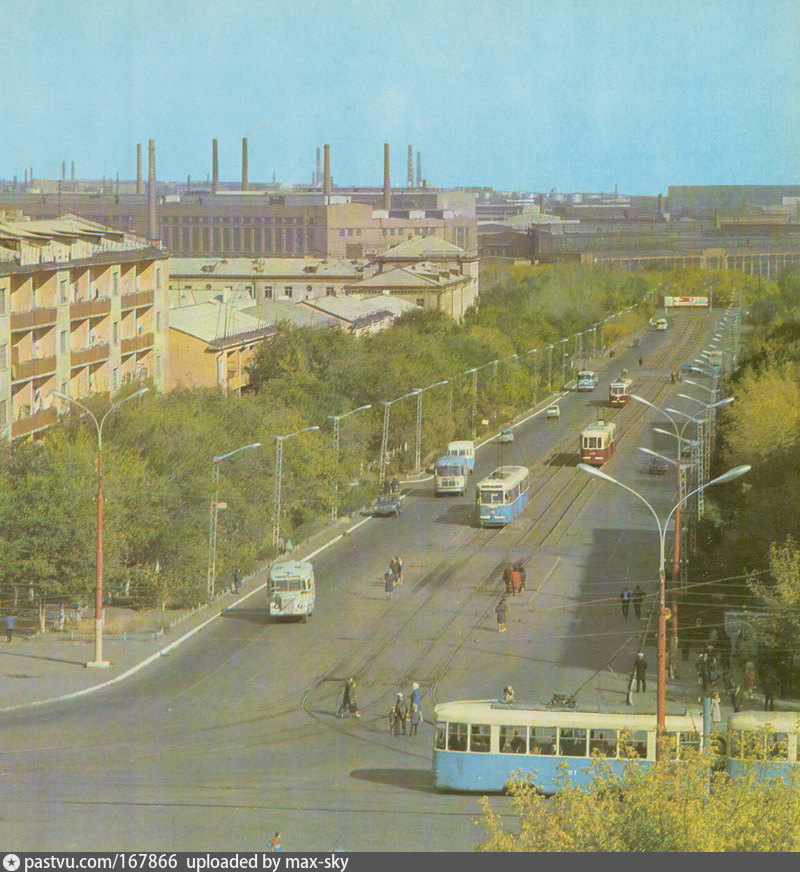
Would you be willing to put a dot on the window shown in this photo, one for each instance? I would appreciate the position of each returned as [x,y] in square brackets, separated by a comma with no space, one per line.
[441,735]
[237,238]
[268,292]
[288,291]
[2,301]
[543,740]
[602,743]
[421,302]
[33,293]
[633,745]
[512,740]
[289,238]
[114,379]
[341,231]
[116,332]
[206,239]
[63,293]
[330,292]
[479,738]
[456,737]
[63,342]
[157,367]
[3,363]
[216,239]
[572,743]
[3,412]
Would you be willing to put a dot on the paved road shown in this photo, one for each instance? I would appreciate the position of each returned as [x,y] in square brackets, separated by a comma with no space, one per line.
[232,734]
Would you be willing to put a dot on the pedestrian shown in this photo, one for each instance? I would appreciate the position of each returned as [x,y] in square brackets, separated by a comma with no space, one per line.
[414,719]
[349,704]
[713,671]
[399,715]
[11,619]
[636,598]
[388,584]
[237,580]
[508,693]
[716,709]
[275,842]
[516,582]
[735,694]
[640,361]
[398,569]
[502,615]
[416,697]
[768,684]
[701,664]
[625,601]
[749,680]
[520,566]
[640,670]
[507,578]
[395,485]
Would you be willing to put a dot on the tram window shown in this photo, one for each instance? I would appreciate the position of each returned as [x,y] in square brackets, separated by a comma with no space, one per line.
[603,743]
[760,745]
[441,736]
[572,743]
[689,740]
[456,737]
[512,740]
[778,746]
[735,743]
[512,494]
[479,738]
[543,740]
[491,496]
[633,745]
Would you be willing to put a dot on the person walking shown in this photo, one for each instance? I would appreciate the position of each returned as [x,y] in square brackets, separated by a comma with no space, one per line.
[11,620]
[416,697]
[640,670]
[521,568]
[502,615]
[507,578]
[388,583]
[399,715]
[768,685]
[237,580]
[702,665]
[716,708]
[414,719]
[625,601]
[749,680]
[637,598]
[275,841]
[398,569]
[735,695]
[349,703]
[516,582]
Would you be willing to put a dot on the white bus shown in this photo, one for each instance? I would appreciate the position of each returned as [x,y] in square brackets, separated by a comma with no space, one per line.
[450,475]
[291,589]
[463,448]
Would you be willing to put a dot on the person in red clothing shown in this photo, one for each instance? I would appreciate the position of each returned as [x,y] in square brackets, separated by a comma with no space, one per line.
[516,581]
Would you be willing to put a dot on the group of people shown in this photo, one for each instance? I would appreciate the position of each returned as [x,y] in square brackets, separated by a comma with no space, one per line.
[393,577]
[626,598]
[404,717]
[514,579]
[391,487]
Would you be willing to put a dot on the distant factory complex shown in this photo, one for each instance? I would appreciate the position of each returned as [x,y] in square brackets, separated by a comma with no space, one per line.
[103,282]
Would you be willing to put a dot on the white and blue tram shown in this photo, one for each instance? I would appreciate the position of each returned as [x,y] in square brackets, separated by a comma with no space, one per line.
[480,744]
[502,495]
[762,743]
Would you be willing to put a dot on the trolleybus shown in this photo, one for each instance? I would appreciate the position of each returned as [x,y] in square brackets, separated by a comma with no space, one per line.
[480,744]
[291,589]
[501,496]
[450,475]
[619,391]
[598,442]
[587,380]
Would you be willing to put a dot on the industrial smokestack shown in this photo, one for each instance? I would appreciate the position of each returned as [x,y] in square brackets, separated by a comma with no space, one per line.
[326,185]
[117,189]
[152,220]
[387,185]
[419,171]
[410,167]
[188,184]
[63,171]
[214,167]
[318,177]
[660,205]
[244,164]
[139,186]
[26,179]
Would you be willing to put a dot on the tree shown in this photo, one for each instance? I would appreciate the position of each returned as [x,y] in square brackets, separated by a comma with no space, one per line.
[781,598]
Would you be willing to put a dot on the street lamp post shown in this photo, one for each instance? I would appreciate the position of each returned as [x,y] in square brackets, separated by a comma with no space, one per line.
[661,697]
[212,532]
[278,468]
[387,405]
[98,589]
[419,392]
[336,420]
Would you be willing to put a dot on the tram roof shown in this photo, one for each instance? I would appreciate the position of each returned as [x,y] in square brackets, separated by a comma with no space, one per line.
[503,474]
[600,427]
[291,569]
[781,721]
[489,711]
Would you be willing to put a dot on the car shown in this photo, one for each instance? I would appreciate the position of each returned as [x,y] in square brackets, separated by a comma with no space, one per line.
[658,466]
[553,411]
[636,343]
[387,504]
[506,433]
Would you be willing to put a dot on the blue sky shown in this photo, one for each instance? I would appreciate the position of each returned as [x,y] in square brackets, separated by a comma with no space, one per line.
[533,94]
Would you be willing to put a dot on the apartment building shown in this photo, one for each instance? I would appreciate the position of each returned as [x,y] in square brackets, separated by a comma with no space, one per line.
[83,311]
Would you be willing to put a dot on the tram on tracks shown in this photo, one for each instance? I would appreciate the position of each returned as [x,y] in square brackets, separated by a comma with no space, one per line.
[598,442]
[480,744]
[619,391]
[502,495]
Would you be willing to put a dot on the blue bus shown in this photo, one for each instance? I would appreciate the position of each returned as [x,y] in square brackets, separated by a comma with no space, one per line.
[501,496]
[450,475]
[480,744]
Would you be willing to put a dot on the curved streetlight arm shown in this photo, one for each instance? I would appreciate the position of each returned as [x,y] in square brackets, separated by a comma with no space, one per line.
[289,435]
[352,412]
[236,451]
[730,475]
[657,408]
[679,438]
[688,381]
[598,474]
[656,454]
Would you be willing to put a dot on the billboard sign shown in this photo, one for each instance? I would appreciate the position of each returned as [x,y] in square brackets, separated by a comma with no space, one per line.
[676,302]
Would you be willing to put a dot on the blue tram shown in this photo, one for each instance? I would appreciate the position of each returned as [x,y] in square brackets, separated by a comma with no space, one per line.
[502,495]
[762,743]
[480,744]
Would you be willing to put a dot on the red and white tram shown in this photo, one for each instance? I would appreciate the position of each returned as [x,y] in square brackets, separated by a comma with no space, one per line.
[597,442]
[619,391]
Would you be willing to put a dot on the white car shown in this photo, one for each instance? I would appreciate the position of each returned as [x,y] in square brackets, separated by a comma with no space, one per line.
[553,411]
[506,434]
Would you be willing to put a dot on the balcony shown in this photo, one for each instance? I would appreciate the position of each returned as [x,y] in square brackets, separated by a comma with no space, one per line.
[92,354]
[34,318]
[27,369]
[138,343]
[37,421]
[89,308]
[137,299]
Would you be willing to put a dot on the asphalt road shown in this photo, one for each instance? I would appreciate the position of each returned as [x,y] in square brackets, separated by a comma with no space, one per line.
[234,735]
